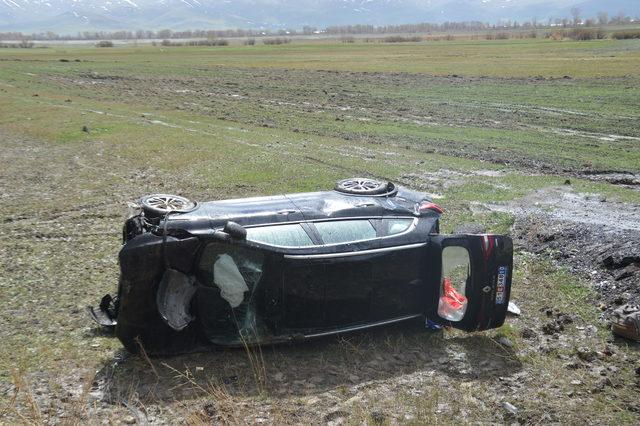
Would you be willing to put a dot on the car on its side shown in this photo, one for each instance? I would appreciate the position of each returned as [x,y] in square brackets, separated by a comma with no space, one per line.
[293,267]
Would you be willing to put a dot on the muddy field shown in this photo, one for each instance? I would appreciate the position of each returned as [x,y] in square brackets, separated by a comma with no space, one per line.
[392,109]
[549,159]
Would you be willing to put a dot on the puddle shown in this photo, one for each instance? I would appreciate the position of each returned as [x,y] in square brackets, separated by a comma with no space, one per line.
[565,205]
[615,178]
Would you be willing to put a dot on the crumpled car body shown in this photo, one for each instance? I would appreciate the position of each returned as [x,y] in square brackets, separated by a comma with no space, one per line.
[293,267]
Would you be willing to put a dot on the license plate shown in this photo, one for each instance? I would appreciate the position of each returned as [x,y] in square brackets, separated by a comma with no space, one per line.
[502,285]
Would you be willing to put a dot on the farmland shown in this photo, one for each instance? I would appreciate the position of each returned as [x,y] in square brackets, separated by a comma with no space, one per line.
[521,136]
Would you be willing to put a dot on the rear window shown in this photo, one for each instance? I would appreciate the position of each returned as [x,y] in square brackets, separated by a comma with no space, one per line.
[456,273]
[396,226]
[343,231]
[280,235]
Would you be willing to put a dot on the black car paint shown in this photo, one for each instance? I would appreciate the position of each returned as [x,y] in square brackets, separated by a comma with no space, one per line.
[306,291]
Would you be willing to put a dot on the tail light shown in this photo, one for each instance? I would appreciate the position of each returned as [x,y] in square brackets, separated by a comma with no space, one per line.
[428,205]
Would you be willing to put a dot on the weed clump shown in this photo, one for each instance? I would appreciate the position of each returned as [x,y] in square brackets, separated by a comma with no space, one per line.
[104,43]
[402,39]
[578,34]
[497,36]
[277,40]
[23,44]
[209,42]
[625,35]
[581,34]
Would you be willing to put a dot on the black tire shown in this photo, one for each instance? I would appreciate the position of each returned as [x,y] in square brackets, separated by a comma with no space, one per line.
[362,186]
[160,204]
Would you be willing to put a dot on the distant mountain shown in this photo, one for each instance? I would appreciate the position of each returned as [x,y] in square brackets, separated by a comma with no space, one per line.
[71,16]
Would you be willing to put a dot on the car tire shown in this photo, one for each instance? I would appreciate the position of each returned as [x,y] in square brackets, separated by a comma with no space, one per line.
[160,204]
[362,186]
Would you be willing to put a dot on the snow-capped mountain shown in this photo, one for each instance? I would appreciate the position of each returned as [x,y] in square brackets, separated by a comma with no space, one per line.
[70,16]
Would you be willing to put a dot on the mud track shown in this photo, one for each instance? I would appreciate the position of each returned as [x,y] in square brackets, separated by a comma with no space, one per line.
[312,101]
[593,237]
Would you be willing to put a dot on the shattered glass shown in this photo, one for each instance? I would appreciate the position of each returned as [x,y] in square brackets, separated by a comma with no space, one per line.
[173,299]
[228,278]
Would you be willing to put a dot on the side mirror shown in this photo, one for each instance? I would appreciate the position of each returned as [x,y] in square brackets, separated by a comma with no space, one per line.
[235,231]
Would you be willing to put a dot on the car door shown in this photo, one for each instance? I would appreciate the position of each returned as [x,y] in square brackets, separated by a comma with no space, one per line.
[470,285]
[369,271]
[332,287]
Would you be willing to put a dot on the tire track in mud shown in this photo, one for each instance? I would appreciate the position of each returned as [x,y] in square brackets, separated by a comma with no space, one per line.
[337,96]
[441,147]
[270,148]
[371,111]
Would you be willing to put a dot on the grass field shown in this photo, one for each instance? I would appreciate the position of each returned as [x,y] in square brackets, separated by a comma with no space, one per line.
[469,122]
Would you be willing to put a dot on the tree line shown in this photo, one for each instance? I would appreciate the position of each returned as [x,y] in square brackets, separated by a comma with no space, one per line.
[574,21]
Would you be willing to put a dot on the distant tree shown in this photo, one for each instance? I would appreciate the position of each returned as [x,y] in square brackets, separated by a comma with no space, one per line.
[575,14]
[307,30]
[25,44]
[603,18]
[165,34]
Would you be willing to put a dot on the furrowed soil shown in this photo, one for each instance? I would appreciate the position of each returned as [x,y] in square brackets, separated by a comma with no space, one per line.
[511,136]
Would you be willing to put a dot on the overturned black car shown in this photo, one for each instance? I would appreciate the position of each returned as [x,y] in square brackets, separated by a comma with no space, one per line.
[293,267]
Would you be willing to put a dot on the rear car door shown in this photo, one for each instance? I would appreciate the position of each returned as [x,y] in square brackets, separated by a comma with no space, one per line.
[472,289]
[331,288]
[369,270]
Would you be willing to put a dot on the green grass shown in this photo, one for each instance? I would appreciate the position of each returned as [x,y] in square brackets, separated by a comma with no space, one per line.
[516,58]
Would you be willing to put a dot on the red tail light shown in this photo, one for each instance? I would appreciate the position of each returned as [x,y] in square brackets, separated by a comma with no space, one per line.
[427,205]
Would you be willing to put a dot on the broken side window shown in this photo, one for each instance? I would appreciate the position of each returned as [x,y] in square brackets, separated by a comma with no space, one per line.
[174,298]
[290,235]
[228,279]
[344,231]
